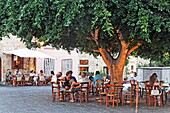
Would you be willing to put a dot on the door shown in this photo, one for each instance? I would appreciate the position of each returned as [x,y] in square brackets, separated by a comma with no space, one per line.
[48,66]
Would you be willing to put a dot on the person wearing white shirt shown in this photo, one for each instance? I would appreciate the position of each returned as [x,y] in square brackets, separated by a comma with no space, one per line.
[32,73]
[18,73]
[84,78]
[55,77]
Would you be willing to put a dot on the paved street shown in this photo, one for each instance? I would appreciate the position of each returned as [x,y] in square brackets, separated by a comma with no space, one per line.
[34,99]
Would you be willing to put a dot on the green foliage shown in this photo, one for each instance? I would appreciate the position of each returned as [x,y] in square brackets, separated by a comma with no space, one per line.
[163,62]
[68,23]
[102,73]
[87,72]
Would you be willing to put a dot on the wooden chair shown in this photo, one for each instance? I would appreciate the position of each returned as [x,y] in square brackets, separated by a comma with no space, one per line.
[27,80]
[18,80]
[147,90]
[8,81]
[153,98]
[134,82]
[129,96]
[118,91]
[102,94]
[166,96]
[84,91]
[99,86]
[110,95]
[56,89]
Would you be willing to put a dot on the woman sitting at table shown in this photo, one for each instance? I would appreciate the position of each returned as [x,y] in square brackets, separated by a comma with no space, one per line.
[67,84]
[153,80]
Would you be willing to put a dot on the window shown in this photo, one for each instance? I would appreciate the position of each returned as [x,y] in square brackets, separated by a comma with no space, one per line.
[48,66]
[84,62]
[17,62]
[66,65]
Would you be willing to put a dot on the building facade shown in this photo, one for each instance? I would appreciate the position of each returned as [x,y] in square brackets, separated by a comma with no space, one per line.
[11,61]
[63,61]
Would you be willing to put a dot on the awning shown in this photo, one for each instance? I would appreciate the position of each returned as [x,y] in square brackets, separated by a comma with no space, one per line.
[29,53]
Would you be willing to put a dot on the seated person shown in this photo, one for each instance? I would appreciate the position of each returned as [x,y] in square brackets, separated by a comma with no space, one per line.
[72,77]
[70,85]
[96,77]
[42,77]
[9,76]
[18,73]
[35,79]
[55,78]
[75,87]
[153,79]
[67,80]
[84,78]
[32,74]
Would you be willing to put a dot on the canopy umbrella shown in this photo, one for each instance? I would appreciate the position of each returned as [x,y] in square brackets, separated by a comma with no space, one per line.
[29,53]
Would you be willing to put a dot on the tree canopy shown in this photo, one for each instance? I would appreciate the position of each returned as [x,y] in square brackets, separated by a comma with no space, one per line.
[71,24]
[90,25]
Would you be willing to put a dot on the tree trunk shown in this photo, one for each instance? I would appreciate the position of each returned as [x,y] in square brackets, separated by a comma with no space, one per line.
[116,73]
[115,66]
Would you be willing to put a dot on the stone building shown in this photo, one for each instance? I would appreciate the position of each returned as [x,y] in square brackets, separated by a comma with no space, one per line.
[11,61]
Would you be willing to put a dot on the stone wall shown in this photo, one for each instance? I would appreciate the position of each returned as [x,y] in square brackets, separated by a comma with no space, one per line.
[9,44]
[29,64]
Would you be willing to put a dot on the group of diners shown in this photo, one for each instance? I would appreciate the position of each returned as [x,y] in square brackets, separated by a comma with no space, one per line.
[72,86]
[154,90]
[70,83]
[18,78]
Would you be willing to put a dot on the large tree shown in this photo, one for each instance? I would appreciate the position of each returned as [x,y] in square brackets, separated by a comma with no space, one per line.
[110,28]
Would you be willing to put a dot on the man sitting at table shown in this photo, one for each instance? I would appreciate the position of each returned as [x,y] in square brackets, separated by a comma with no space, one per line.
[84,78]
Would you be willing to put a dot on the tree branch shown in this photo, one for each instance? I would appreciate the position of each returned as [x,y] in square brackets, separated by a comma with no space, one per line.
[96,50]
[133,48]
[108,59]
[96,36]
[89,38]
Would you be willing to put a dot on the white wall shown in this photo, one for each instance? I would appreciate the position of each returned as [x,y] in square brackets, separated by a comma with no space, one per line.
[162,72]
[62,54]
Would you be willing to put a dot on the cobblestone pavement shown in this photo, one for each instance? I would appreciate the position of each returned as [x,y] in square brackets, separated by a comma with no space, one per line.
[34,99]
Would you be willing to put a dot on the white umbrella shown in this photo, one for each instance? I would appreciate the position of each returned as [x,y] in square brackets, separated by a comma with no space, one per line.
[29,53]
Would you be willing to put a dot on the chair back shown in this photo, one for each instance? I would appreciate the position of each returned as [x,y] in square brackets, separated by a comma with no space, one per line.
[41,78]
[55,85]
[100,84]
[19,78]
[84,86]
[27,78]
[110,89]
